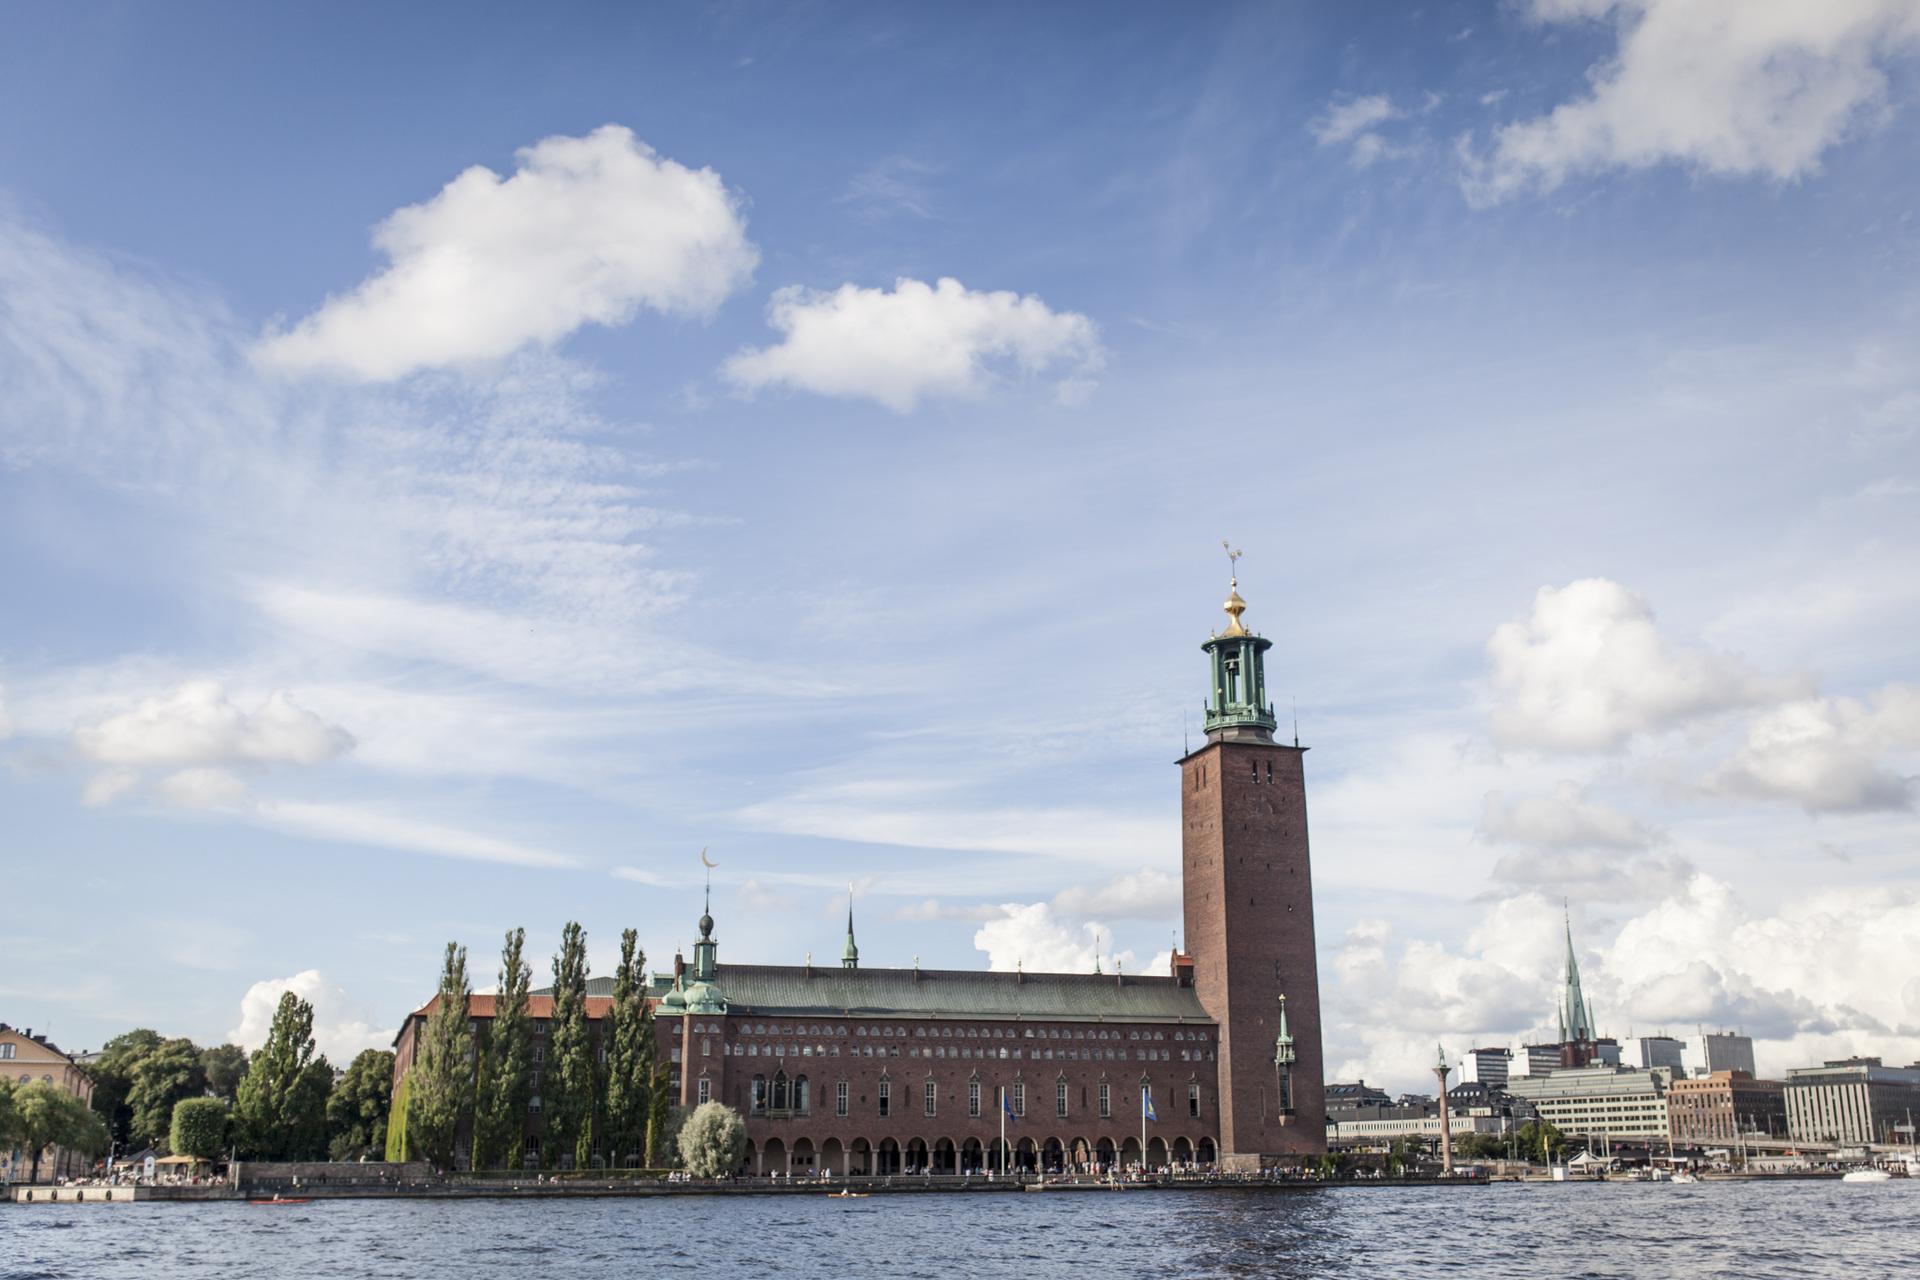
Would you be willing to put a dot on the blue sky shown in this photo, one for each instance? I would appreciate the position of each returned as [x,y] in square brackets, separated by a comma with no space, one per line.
[455,465]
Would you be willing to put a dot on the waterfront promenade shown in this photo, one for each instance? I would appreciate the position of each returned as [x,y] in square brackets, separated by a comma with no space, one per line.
[561,1187]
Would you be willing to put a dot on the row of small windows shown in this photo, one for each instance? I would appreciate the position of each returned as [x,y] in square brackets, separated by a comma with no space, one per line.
[939,1033]
[968,1053]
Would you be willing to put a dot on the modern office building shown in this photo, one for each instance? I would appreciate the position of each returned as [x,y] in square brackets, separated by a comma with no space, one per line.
[1722,1106]
[1852,1100]
[1728,1051]
[1659,1051]
[1490,1067]
[1599,1101]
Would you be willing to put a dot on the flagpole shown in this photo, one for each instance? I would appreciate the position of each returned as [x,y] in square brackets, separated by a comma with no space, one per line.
[1143,1127]
[1003,1130]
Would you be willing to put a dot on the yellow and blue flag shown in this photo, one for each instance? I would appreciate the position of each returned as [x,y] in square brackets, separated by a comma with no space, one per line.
[1146,1101]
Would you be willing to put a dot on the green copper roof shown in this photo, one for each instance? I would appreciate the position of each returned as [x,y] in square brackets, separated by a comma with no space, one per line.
[947,993]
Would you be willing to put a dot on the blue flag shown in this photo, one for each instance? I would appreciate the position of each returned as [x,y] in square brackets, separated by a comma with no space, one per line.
[1146,1101]
[1006,1103]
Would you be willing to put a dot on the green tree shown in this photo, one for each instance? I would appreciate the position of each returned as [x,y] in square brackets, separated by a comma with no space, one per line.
[506,1065]
[281,1110]
[1527,1141]
[225,1066]
[570,1113]
[357,1108]
[161,1077]
[443,1070]
[112,1076]
[661,1135]
[627,1031]
[199,1128]
[398,1151]
[45,1115]
[712,1140]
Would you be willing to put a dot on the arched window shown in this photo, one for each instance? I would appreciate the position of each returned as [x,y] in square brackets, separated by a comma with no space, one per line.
[759,1094]
[782,1092]
[800,1095]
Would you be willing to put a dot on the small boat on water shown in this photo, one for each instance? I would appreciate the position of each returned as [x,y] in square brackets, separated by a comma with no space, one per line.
[847,1195]
[1867,1175]
[282,1200]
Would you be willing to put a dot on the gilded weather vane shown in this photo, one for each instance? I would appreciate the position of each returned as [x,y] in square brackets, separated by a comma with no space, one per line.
[1233,559]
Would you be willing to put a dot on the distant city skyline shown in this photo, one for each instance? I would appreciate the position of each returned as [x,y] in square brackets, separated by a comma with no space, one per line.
[453,470]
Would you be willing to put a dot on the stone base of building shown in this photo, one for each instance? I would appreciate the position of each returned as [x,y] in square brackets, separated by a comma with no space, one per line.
[1258,1162]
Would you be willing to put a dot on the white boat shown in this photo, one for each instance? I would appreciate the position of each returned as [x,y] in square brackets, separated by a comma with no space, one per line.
[1682,1175]
[1867,1175]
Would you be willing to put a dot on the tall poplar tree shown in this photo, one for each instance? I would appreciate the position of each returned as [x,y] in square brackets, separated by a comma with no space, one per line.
[659,1101]
[506,1065]
[571,1073]
[280,1110]
[628,1033]
[441,1091]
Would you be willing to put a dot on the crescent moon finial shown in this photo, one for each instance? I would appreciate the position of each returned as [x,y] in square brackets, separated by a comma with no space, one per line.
[705,860]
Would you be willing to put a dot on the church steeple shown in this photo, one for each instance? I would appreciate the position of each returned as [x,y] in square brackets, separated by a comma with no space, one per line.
[1238,708]
[1576,1013]
[850,954]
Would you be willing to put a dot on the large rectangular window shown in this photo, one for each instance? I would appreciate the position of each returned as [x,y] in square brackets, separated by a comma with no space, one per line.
[973,1098]
[706,1090]
[1060,1098]
[1020,1099]
[1106,1100]
[840,1098]
[886,1097]
[932,1095]
[1193,1100]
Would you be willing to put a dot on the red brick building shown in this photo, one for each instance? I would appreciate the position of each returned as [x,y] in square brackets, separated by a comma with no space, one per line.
[858,1070]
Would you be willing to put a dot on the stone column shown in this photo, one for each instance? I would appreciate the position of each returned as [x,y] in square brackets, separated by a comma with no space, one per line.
[1441,1070]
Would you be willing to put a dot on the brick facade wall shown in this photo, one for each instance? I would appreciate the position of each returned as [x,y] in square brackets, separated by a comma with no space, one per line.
[1249,928]
[730,1052]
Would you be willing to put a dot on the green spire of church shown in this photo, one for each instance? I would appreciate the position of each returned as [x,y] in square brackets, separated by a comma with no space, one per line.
[1238,707]
[850,954]
[1576,1014]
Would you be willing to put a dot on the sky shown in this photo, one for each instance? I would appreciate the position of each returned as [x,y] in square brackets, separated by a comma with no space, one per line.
[456,464]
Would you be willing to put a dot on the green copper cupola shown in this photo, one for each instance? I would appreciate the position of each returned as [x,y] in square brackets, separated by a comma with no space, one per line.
[1238,707]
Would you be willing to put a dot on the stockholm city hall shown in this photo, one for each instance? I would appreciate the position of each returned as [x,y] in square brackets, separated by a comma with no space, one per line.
[845,1069]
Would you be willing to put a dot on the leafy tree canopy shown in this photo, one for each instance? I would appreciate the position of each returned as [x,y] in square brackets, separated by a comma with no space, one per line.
[713,1140]
[199,1128]
[357,1109]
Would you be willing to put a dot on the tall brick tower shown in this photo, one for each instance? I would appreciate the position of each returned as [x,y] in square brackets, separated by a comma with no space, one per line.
[1249,910]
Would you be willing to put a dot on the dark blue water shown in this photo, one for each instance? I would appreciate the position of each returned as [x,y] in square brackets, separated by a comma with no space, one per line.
[1817,1229]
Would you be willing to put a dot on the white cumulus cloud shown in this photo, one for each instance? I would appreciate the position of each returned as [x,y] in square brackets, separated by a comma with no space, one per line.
[340,1029]
[1733,87]
[586,231]
[1808,982]
[1032,937]
[1588,669]
[916,341]
[197,724]
[1829,755]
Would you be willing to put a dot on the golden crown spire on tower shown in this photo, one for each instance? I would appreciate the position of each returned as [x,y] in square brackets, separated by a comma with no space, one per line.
[1234,606]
